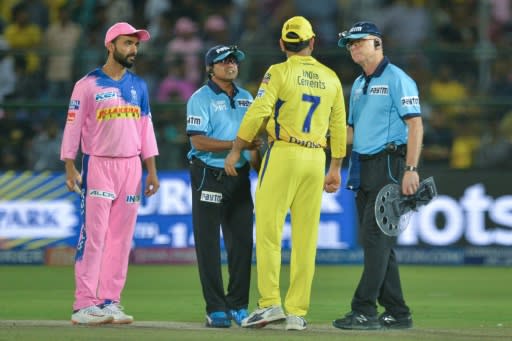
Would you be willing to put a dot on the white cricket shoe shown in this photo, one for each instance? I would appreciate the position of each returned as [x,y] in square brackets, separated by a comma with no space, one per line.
[115,310]
[90,316]
[261,317]
[295,322]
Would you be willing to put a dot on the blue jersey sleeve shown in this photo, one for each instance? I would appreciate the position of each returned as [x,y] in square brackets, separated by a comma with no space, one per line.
[197,115]
[405,96]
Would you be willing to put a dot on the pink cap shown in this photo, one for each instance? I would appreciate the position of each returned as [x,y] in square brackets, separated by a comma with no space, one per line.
[124,29]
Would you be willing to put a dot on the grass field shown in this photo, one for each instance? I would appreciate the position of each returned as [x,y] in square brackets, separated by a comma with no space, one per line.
[448,303]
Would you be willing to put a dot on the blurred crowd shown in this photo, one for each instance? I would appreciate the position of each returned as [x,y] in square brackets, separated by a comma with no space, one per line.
[458,51]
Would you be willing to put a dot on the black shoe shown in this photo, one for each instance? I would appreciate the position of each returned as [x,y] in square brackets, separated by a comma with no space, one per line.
[355,320]
[390,322]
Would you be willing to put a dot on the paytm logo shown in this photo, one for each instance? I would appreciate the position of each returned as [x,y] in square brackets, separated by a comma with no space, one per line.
[212,197]
[37,219]
[194,120]
[408,101]
[379,90]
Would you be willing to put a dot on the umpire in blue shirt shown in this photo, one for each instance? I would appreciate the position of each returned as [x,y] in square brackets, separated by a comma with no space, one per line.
[214,113]
[386,133]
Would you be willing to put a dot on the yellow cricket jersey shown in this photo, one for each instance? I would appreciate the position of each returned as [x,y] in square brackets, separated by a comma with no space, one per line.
[303,101]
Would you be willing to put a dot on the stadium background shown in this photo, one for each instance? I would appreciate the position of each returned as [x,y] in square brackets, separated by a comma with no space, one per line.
[457,51]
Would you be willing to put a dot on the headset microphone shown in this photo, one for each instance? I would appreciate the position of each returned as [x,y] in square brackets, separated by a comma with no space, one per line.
[209,71]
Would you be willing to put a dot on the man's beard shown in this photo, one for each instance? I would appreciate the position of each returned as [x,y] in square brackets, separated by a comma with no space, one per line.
[123,60]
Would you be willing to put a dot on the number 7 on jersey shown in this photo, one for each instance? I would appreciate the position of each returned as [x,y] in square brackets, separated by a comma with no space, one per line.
[315,101]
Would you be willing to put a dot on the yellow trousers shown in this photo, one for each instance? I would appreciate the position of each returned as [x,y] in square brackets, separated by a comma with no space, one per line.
[291,179]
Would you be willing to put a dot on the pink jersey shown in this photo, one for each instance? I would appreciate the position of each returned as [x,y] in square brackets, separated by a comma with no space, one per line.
[109,118]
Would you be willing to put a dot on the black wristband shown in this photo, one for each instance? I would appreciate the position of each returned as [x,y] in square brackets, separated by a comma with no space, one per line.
[410,169]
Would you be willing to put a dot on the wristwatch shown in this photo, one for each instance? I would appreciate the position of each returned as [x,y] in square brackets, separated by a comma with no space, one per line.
[410,168]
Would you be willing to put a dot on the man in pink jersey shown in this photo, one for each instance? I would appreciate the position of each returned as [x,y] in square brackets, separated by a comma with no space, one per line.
[110,118]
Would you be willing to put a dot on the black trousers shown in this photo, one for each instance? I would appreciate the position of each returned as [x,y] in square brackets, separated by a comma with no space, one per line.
[380,280]
[233,212]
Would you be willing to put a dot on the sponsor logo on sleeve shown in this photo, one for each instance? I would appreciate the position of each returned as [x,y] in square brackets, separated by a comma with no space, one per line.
[194,121]
[74,104]
[71,116]
[409,101]
[213,197]
[260,93]
[266,78]
[101,194]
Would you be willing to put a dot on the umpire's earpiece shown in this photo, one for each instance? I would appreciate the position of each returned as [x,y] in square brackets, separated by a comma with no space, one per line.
[209,71]
[376,43]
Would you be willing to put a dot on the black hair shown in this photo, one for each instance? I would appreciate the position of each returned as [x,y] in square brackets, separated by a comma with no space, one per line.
[17,9]
[295,47]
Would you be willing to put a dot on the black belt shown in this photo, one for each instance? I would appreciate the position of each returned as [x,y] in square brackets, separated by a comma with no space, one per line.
[217,172]
[390,149]
[198,162]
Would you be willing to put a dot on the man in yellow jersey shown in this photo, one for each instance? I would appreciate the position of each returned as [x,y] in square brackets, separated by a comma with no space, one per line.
[300,101]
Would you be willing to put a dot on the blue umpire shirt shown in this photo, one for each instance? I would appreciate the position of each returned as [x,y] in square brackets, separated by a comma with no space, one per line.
[211,112]
[378,106]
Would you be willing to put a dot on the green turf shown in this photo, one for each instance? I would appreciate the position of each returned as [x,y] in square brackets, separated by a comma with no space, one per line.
[448,303]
